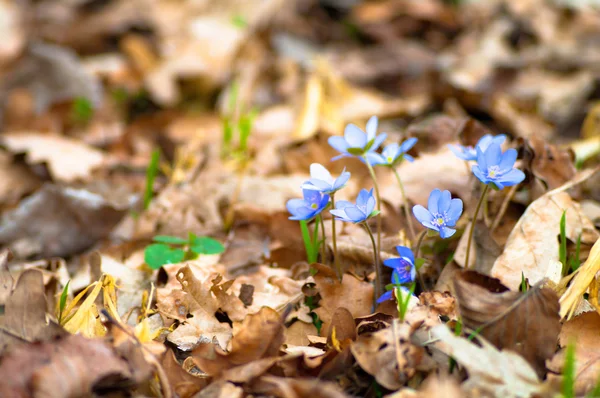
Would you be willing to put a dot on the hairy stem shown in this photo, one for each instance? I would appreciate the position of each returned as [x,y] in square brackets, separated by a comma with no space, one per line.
[405,204]
[470,239]
[323,248]
[376,186]
[378,271]
[417,249]
[336,260]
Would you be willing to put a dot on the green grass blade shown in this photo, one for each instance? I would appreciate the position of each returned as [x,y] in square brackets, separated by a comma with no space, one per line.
[568,382]
[562,250]
[63,301]
[151,174]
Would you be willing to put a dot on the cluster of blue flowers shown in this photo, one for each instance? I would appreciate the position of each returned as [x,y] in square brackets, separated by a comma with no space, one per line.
[493,167]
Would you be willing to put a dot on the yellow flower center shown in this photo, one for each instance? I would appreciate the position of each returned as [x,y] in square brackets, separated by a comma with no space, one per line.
[439,221]
[314,206]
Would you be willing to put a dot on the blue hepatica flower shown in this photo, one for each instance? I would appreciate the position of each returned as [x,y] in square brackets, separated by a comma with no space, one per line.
[392,154]
[322,181]
[470,153]
[356,142]
[442,212]
[404,266]
[497,168]
[390,293]
[356,213]
[314,202]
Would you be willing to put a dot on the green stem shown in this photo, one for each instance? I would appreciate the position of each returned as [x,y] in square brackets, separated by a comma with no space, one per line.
[376,186]
[308,244]
[336,260]
[483,194]
[378,271]
[417,249]
[323,250]
[405,204]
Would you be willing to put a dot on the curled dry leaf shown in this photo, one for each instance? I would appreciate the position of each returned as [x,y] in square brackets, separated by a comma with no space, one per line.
[259,336]
[67,159]
[533,245]
[183,383]
[549,163]
[6,279]
[527,323]
[71,366]
[388,355]
[491,372]
[297,388]
[440,303]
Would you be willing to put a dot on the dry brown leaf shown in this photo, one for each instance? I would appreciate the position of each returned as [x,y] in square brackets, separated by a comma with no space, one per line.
[527,323]
[388,355]
[24,319]
[66,367]
[570,300]
[353,294]
[342,329]
[16,180]
[548,162]
[491,372]
[62,221]
[533,245]
[440,303]
[182,382]
[6,279]
[67,159]
[281,387]
[259,336]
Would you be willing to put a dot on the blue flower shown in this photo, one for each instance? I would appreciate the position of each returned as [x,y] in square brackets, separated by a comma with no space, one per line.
[470,153]
[322,181]
[396,281]
[356,142]
[392,154]
[356,213]
[443,212]
[404,266]
[314,202]
[497,168]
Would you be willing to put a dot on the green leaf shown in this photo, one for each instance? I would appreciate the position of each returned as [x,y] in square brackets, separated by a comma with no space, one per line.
[562,250]
[158,254]
[205,245]
[172,240]
[568,383]
[374,213]
[419,263]
[356,151]
[63,301]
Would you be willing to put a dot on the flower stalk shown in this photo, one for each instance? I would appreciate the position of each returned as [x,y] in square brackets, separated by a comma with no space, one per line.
[378,271]
[376,186]
[336,260]
[405,204]
[470,238]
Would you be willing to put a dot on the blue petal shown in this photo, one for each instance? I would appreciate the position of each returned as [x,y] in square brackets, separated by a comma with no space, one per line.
[316,185]
[341,215]
[444,202]
[422,214]
[434,199]
[479,174]
[446,232]
[343,155]
[355,214]
[404,251]
[461,152]
[404,274]
[508,159]
[481,160]
[342,204]
[456,209]
[319,172]
[513,177]
[493,155]
[324,202]
[408,144]
[484,142]
[311,196]
[378,141]
[371,127]
[386,296]
[409,158]
[363,197]
[391,151]
[499,139]
[374,158]
[341,180]
[355,137]
[393,262]
[371,205]
[338,143]
[293,204]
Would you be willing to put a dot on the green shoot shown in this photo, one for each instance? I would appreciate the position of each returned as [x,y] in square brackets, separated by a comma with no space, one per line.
[562,250]
[151,173]
[239,21]
[524,284]
[63,301]
[236,122]
[82,111]
[568,382]
[575,260]
[311,243]
[172,249]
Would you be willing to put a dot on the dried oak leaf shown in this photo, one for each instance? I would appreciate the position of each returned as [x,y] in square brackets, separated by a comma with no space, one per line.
[533,245]
[353,294]
[71,366]
[28,298]
[67,159]
[6,279]
[582,331]
[182,382]
[286,387]
[491,372]
[549,163]
[388,355]
[527,323]
[259,336]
